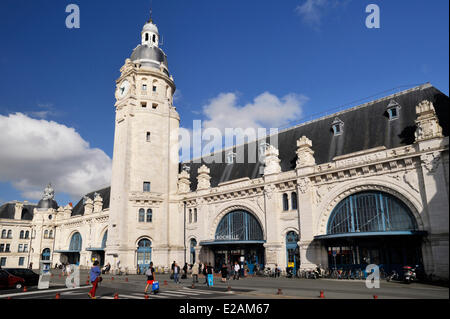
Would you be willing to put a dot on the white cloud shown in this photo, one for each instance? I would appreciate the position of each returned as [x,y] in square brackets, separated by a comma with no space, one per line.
[266,111]
[35,152]
[313,11]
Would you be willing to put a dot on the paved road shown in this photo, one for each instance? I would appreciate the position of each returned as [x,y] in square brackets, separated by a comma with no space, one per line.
[132,287]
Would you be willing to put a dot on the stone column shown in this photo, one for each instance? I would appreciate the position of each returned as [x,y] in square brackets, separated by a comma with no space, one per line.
[430,142]
[311,251]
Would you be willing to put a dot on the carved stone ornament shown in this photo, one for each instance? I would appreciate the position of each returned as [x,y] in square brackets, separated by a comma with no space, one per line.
[203,178]
[305,154]
[184,182]
[49,193]
[271,160]
[431,161]
[303,185]
[427,122]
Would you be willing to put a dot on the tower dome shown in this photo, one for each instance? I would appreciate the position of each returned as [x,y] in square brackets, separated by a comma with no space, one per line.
[150,27]
[148,52]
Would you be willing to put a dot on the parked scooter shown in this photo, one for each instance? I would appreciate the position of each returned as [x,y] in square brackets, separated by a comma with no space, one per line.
[289,272]
[393,276]
[409,274]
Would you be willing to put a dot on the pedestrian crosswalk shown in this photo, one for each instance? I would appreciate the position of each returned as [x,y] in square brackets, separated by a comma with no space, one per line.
[185,293]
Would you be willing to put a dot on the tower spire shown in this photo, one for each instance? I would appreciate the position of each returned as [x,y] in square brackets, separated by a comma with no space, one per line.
[151,12]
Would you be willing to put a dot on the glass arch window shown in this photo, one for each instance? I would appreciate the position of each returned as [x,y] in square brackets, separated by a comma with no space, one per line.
[45,254]
[149,216]
[294,200]
[193,244]
[195,215]
[46,234]
[144,254]
[190,216]
[76,242]
[9,234]
[292,250]
[371,212]
[27,234]
[22,234]
[4,233]
[240,226]
[50,234]
[285,202]
[141,215]
[105,237]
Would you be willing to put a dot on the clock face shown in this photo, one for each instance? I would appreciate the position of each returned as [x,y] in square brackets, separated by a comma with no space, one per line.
[123,89]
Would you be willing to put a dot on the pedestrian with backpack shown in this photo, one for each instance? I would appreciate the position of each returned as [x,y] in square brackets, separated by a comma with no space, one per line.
[150,273]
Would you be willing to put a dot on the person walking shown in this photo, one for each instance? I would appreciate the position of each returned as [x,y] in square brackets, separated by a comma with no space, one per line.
[150,273]
[195,271]
[185,269]
[176,273]
[237,269]
[205,273]
[95,279]
[224,272]
[209,273]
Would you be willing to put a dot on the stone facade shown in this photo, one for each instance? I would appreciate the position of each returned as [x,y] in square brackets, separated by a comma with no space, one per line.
[146,177]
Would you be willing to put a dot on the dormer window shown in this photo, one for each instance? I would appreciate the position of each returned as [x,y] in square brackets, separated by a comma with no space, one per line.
[337,126]
[393,110]
[230,158]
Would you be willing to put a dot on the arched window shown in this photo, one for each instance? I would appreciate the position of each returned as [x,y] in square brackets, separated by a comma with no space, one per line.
[21,234]
[4,233]
[9,234]
[50,235]
[154,38]
[371,212]
[76,242]
[146,37]
[285,202]
[239,226]
[141,215]
[294,200]
[190,216]
[149,215]
[195,215]
[45,254]
[46,234]
[27,234]
[105,238]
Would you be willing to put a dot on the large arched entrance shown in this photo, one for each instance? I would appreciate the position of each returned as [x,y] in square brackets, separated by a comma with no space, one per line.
[372,228]
[239,238]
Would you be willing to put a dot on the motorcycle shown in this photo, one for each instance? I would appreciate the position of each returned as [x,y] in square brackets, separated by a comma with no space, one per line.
[409,274]
[393,276]
[289,272]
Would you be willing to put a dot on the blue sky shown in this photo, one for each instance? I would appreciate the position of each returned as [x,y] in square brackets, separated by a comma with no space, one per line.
[241,54]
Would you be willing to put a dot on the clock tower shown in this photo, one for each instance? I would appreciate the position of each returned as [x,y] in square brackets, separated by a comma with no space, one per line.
[144,217]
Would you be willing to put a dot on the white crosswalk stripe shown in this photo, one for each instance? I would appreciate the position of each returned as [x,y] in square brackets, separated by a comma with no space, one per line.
[203,292]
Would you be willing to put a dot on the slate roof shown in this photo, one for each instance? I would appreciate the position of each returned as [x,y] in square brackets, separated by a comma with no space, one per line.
[366,126]
[7,211]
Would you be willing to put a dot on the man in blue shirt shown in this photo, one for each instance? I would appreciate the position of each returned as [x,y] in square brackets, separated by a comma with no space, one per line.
[95,278]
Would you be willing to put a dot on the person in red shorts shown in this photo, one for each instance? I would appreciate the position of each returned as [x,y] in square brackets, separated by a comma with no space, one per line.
[95,278]
[150,273]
